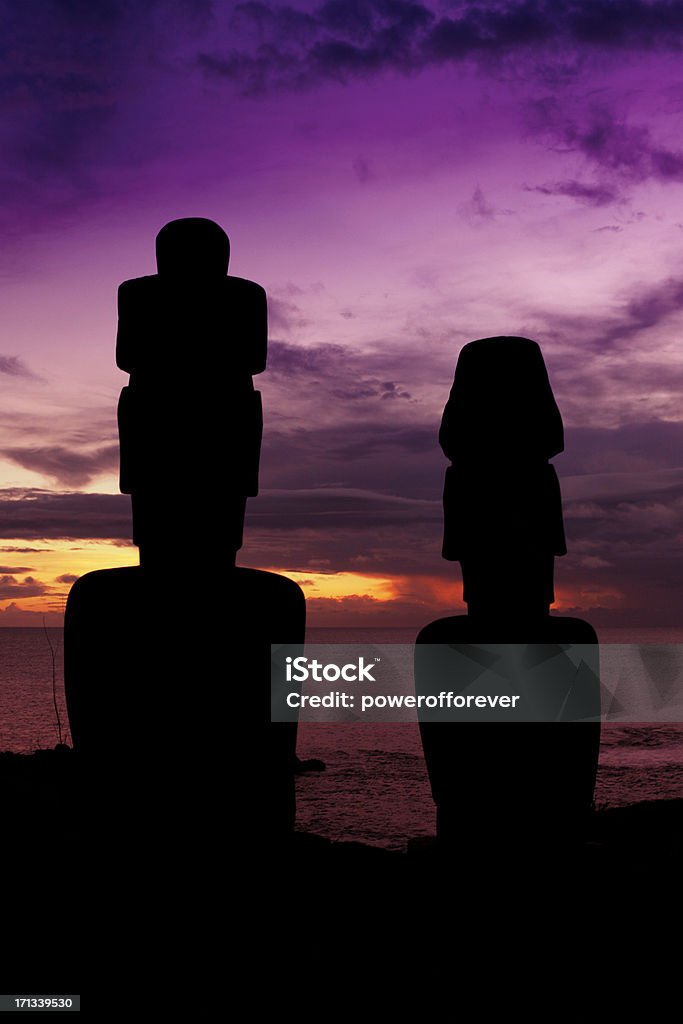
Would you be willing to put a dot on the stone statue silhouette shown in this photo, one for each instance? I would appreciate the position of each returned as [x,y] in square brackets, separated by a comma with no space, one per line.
[191,338]
[166,663]
[502,498]
[503,523]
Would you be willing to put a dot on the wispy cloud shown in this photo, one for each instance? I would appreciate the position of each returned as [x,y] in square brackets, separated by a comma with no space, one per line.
[627,153]
[36,514]
[13,366]
[67,577]
[591,195]
[335,371]
[67,466]
[12,589]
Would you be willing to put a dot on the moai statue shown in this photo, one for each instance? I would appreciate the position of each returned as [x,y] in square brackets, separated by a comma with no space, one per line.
[192,338]
[165,662]
[503,524]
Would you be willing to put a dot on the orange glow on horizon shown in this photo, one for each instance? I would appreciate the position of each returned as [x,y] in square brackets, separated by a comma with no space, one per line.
[434,591]
[428,591]
[343,584]
[43,562]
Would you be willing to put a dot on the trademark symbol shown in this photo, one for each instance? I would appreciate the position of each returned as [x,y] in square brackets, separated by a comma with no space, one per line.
[377,659]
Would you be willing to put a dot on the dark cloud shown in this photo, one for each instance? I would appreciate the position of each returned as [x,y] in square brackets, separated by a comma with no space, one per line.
[392,544]
[624,547]
[591,195]
[651,305]
[638,447]
[623,513]
[580,351]
[389,389]
[13,366]
[68,467]
[648,307]
[67,577]
[24,551]
[359,610]
[613,489]
[61,69]
[337,40]
[340,40]
[332,372]
[83,85]
[69,75]
[362,170]
[11,589]
[284,316]
[15,615]
[367,455]
[285,20]
[478,207]
[295,360]
[630,23]
[37,514]
[626,151]
[77,424]
[13,570]
[332,508]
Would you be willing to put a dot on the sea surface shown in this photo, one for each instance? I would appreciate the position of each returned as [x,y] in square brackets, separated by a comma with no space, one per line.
[375,787]
[27,714]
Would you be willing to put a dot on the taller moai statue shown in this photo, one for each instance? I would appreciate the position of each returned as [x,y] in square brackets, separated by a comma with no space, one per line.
[503,524]
[167,663]
[192,338]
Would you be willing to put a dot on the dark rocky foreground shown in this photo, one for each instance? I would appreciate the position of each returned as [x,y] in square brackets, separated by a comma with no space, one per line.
[42,863]
[41,797]
[492,929]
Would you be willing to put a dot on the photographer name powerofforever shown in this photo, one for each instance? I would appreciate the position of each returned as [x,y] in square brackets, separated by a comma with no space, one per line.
[445,699]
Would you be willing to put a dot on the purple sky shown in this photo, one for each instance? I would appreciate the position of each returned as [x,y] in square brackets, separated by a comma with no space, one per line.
[401,178]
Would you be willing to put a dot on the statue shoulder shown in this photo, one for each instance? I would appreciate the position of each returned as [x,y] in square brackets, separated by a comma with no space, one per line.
[137,289]
[246,289]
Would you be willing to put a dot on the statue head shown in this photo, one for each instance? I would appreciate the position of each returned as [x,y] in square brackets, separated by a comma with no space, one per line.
[192,247]
[502,399]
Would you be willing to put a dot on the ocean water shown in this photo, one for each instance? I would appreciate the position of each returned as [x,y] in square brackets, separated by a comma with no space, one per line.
[27,714]
[375,788]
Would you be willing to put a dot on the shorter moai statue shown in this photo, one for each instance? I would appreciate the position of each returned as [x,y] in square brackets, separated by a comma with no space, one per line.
[167,663]
[516,780]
